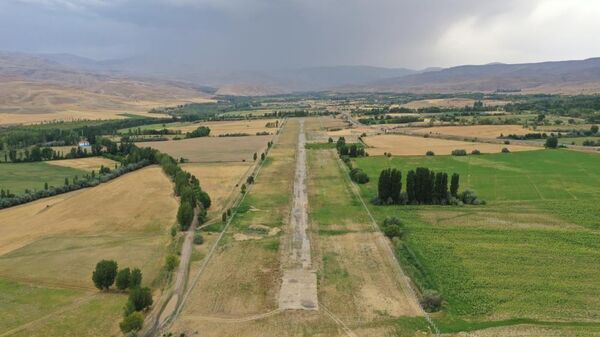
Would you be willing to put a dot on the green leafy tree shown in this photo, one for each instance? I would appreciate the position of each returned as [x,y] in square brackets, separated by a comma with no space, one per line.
[594,129]
[135,279]
[104,275]
[141,298]
[132,322]
[410,186]
[454,184]
[551,142]
[171,262]
[185,215]
[122,280]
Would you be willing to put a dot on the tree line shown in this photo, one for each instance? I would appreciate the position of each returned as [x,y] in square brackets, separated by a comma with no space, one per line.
[423,187]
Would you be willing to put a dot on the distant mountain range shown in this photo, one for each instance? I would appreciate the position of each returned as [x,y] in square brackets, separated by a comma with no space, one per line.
[564,77]
[567,77]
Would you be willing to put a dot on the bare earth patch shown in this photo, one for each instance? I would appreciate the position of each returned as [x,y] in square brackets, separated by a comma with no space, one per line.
[400,145]
[86,164]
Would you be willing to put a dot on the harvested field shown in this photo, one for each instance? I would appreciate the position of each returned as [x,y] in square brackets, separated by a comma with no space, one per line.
[214,149]
[449,103]
[317,128]
[48,249]
[480,131]
[250,127]
[86,164]
[144,195]
[400,145]
[220,181]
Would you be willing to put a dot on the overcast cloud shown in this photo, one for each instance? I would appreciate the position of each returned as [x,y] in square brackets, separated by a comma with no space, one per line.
[295,33]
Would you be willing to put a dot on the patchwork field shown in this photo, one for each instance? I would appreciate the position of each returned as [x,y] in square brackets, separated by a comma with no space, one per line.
[530,256]
[220,181]
[85,164]
[214,149]
[449,103]
[217,128]
[20,176]
[242,279]
[359,282]
[48,249]
[480,131]
[401,145]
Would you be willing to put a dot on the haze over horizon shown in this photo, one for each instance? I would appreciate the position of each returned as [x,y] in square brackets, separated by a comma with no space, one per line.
[269,34]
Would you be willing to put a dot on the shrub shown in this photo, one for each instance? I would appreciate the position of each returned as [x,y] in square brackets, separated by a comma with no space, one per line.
[171,262]
[198,239]
[132,322]
[476,152]
[431,301]
[392,227]
[430,153]
[506,142]
[359,176]
[459,152]
[469,197]
[140,298]
[505,150]
[105,273]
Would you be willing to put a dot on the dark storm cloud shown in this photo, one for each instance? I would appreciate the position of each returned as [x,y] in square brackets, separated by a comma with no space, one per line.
[290,33]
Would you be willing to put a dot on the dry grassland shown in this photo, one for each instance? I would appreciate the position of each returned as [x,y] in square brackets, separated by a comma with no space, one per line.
[351,134]
[132,203]
[250,127]
[480,131]
[449,103]
[220,181]
[25,102]
[400,145]
[317,128]
[86,164]
[242,278]
[214,149]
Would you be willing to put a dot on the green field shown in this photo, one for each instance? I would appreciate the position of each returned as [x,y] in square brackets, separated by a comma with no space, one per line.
[532,254]
[32,176]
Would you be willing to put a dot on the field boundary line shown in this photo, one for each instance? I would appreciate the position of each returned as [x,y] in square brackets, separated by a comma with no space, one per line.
[168,321]
[239,319]
[407,286]
[344,327]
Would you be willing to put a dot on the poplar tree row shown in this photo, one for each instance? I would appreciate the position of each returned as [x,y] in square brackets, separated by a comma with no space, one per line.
[423,186]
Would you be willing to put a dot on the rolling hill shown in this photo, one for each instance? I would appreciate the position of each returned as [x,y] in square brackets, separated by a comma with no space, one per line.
[563,77]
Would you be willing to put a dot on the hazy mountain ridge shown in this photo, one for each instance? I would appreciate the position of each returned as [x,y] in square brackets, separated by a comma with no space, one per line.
[551,77]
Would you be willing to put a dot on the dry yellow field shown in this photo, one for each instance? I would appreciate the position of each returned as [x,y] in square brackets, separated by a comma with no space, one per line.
[214,149]
[400,145]
[86,164]
[217,128]
[219,180]
[130,203]
[449,103]
[480,131]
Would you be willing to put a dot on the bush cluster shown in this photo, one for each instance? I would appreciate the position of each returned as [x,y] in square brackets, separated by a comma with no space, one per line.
[359,176]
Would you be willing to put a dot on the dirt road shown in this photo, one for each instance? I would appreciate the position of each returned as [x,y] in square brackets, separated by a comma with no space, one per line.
[299,281]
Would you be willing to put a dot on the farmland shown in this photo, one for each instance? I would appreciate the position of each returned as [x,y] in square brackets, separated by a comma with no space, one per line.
[401,145]
[51,257]
[480,131]
[86,164]
[221,181]
[213,149]
[508,259]
[32,176]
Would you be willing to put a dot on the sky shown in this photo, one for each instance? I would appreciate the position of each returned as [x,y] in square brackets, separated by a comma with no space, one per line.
[269,34]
